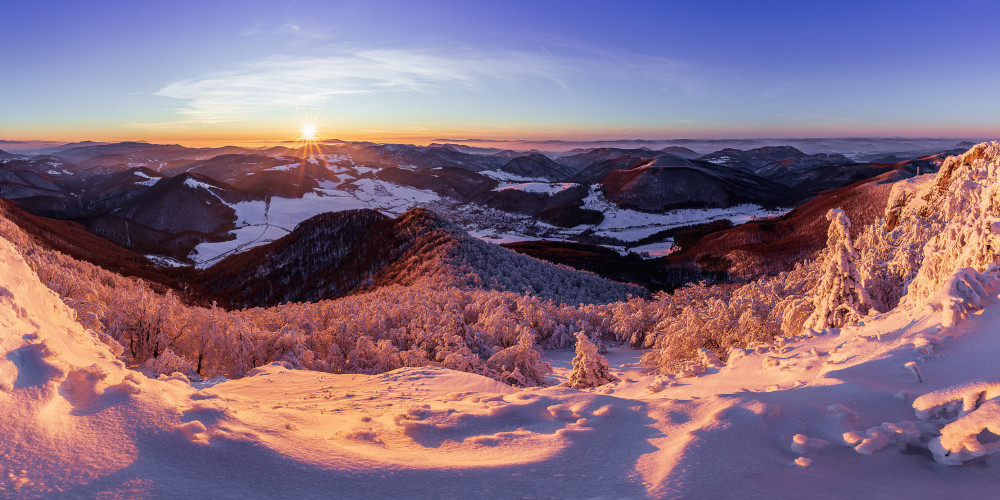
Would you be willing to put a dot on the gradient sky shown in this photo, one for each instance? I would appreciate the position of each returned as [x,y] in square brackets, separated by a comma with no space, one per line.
[406,70]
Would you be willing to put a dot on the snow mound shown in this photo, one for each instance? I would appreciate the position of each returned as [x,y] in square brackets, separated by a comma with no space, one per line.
[71,410]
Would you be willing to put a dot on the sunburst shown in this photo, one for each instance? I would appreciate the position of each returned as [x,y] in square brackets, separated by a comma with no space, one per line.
[309,143]
[308,132]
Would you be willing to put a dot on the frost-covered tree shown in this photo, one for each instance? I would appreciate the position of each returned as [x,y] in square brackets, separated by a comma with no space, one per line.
[590,369]
[840,297]
[521,364]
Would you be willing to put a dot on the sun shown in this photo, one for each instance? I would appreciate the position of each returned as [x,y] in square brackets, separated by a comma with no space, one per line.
[308,131]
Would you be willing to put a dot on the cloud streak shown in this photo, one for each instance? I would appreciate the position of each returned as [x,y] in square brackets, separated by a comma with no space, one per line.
[282,82]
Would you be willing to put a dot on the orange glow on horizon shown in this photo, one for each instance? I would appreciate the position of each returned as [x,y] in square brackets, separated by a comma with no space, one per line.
[250,135]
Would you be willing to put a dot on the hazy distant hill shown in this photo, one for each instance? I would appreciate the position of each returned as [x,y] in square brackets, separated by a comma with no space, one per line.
[669,182]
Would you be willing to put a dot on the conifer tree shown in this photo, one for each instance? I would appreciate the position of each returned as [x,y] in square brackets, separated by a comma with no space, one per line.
[840,296]
[590,369]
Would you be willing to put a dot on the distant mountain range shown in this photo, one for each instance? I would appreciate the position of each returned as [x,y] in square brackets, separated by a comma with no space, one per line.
[193,204]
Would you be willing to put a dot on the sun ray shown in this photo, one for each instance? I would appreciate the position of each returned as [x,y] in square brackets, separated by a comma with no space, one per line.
[309,145]
[308,131]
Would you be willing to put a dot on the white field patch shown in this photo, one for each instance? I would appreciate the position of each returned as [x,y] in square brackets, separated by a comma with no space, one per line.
[284,168]
[165,261]
[548,188]
[500,237]
[501,175]
[333,159]
[721,160]
[655,250]
[258,223]
[150,181]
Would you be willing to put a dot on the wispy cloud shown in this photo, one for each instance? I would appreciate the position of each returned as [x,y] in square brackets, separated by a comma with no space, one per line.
[286,81]
[301,28]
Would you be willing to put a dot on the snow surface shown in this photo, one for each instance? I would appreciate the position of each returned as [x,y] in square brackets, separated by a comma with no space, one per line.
[503,175]
[150,181]
[285,168]
[547,188]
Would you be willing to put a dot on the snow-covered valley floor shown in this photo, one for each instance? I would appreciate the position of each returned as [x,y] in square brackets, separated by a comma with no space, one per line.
[779,421]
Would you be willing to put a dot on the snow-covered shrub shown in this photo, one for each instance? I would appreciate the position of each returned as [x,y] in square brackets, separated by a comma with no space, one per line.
[961,219]
[590,369]
[902,434]
[718,318]
[168,362]
[965,291]
[521,364]
[967,410]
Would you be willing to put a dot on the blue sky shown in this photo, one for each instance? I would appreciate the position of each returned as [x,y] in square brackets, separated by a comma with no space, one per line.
[254,70]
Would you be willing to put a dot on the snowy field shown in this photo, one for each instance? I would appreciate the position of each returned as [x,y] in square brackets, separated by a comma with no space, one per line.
[547,188]
[501,175]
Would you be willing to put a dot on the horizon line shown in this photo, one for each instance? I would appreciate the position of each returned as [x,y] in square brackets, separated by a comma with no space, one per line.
[391,140]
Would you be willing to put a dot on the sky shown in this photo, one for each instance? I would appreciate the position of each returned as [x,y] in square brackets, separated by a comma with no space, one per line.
[252,70]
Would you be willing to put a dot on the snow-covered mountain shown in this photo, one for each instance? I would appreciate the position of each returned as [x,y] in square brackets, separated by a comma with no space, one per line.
[33,191]
[166,216]
[772,159]
[668,182]
[881,382]
[620,198]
